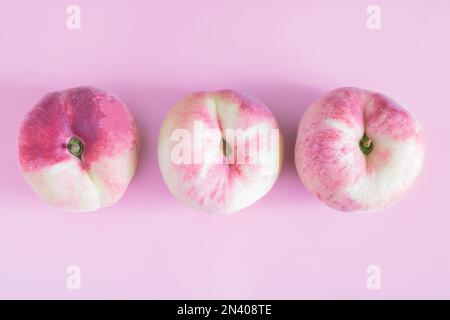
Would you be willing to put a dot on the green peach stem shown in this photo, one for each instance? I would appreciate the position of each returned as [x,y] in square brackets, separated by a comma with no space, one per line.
[366,145]
[75,147]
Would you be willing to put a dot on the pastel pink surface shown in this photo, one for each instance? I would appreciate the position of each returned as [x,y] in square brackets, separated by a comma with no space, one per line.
[288,245]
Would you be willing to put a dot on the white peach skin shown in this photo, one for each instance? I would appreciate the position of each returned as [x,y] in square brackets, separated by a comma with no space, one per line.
[228,185]
[331,163]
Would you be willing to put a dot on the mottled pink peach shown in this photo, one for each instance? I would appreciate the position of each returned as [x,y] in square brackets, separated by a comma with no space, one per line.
[331,164]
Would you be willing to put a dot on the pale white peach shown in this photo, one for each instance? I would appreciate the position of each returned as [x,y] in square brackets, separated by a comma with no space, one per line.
[211,152]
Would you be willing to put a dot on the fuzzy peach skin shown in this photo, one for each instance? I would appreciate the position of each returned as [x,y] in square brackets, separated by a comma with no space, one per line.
[228,185]
[78,148]
[358,150]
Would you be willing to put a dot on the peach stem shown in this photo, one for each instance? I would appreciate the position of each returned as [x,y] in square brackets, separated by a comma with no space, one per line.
[75,147]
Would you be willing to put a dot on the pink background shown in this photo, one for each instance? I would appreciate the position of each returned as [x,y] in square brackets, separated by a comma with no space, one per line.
[287,53]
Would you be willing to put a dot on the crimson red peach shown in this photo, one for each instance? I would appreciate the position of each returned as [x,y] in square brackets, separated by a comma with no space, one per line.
[78,148]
